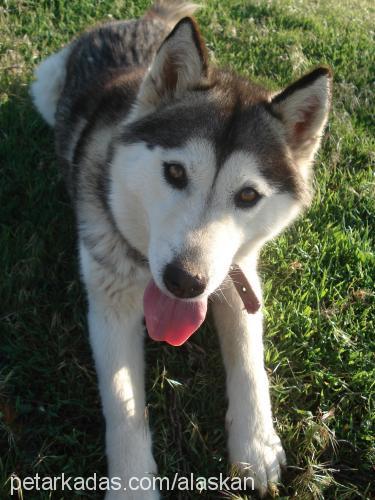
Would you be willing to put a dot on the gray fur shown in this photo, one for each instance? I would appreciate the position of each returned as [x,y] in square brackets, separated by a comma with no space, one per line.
[234,115]
[98,60]
[104,72]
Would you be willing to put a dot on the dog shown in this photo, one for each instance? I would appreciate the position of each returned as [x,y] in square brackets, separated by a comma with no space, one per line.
[178,172]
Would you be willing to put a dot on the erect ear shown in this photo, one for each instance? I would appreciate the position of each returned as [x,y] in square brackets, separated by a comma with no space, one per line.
[303,108]
[180,64]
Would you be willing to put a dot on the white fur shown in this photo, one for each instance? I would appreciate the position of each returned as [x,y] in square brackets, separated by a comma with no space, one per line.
[254,447]
[165,223]
[162,221]
[50,78]
[116,335]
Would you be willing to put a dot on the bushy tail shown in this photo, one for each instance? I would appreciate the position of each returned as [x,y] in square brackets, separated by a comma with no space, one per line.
[48,84]
[171,11]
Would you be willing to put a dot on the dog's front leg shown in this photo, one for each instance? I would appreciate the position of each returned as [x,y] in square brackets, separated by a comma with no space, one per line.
[254,446]
[116,335]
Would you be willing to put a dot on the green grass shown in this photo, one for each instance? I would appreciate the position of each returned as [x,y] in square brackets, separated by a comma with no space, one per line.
[318,276]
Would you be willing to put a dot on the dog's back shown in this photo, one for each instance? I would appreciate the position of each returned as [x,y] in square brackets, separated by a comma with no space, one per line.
[98,74]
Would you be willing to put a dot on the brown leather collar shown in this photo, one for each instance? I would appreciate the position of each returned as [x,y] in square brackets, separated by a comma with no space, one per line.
[244,289]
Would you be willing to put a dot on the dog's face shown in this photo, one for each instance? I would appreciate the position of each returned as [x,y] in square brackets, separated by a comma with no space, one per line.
[209,167]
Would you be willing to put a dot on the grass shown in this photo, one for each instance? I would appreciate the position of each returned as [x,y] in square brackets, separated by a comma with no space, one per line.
[318,276]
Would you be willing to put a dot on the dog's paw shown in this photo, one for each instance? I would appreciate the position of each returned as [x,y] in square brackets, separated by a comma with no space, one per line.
[131,466]
[260,458]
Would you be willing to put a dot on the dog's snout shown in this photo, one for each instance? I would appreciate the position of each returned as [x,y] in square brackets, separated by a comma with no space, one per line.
[183,284]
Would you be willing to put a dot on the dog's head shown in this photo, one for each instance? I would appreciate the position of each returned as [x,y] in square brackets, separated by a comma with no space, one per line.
[210,166]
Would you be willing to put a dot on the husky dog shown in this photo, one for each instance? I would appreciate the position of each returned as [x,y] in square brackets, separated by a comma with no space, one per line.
[179,172]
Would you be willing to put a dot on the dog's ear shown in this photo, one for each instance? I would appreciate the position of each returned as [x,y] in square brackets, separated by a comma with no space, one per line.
[303,108]
[180,64]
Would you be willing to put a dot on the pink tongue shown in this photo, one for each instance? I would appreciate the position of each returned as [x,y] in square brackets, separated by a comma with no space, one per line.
[171,320]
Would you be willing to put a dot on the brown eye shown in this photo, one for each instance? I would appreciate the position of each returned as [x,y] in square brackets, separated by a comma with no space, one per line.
[247,198]
[175,174]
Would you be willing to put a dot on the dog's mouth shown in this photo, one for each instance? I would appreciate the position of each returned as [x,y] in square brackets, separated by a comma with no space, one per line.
[174,320]
[171,320]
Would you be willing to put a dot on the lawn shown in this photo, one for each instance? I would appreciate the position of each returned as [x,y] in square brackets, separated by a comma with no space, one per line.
[318,276]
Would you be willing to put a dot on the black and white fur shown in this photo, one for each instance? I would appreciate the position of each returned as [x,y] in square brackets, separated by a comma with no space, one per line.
[124,98]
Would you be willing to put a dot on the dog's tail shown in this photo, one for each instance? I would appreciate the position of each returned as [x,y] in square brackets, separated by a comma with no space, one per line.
[46,89]
[171,11]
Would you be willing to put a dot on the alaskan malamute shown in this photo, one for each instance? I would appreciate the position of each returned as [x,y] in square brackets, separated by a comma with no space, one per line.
[178,172]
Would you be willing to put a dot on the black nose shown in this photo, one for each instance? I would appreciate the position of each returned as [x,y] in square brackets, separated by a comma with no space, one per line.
[183,284]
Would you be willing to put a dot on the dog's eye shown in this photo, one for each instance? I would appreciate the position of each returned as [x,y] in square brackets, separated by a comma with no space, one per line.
[175,174]
[247,198]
